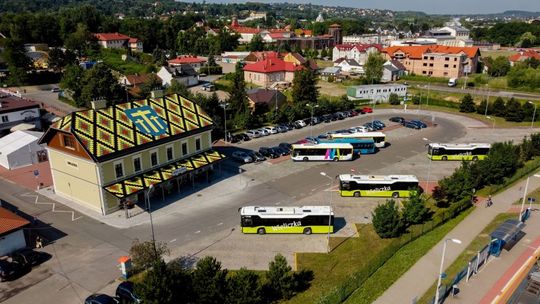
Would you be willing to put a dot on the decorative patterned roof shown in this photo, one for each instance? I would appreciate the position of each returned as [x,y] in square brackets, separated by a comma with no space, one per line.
[107,132]
[138,183]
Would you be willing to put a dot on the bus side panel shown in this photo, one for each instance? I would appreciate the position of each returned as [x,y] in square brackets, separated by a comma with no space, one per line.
[287,230]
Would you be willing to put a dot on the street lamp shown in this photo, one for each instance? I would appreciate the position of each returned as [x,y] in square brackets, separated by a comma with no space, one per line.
[489,117]
[441,268]
[534,113]
[329,214]
[524,195]
[224,105]
[311,121]
[487,101]
[429,167]
[149,209]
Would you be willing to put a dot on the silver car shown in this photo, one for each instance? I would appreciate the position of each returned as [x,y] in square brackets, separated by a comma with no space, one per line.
[242,157]
[253,133]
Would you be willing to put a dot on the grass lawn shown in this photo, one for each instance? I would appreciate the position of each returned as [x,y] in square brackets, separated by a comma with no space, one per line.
[497,53]
[477,244]
[324,63]
[113,58]
[404,259]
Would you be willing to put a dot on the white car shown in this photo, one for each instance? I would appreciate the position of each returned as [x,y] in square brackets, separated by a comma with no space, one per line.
[272,130]
[264,132]
[301,123]
[253,133]
[359,129]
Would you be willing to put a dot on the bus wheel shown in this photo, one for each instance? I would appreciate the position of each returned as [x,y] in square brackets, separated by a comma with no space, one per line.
[261,231]
[475,158]
[336,159]
[305,159]
[444,158]
[395,195]
[357,194]
[307,231]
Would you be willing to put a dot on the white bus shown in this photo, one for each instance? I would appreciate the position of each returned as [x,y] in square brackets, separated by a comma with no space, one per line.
[377,185]
[378,137]
[306,219]
[322,152]
[473,151]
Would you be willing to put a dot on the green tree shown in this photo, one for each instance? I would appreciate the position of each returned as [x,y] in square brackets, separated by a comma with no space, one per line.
[527,40]
[304,87]
[528,111]
[393,99]
[279,279]
[59,59]
[499,108]
[210,281]
[514,112]
[143,255]
[244,288]
[178,88]
[99,82]
[374,68]
[324,53]
[415,210]
[499,66]
[256,44]
[467,104]
[71,80]
[17,61]
[484,108]
[238,98]
[387,220]
[157,285]
[79,41]
[151,84]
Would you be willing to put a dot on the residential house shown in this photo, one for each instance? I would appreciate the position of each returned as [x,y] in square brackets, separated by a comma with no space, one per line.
[376,92]
[269,71]
[349,66]
[393,70]
[328,72]
[523,55]
[358,52]
[263,100]
[233,57]
[105,156]
[119,41]
[246,33]
[300,60]
[194,61]
[135,81]
[436,60]
[15,111]
[184,74]
[260,56]
[12,236]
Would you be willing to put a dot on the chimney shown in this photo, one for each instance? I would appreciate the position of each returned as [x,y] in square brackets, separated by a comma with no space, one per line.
[156,94]
[98,104]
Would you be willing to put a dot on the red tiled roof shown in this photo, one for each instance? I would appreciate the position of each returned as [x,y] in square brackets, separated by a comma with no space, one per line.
[258,56]
[246,30]
[11,103]
[276,35]
[416,52]
[272,65]
[136,80]
[133,40]
[524,54]
[111,36]
[359,47]
[186,60]
[276,30]
[9,221]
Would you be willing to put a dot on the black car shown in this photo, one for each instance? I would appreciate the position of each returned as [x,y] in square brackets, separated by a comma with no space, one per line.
[29,258]
[100,299]
[7,270]
[281,151]
[124,292]
[397,119]
[244,137]
[268,152]
[339,115]
[411,125]
[326,118]
[360,111]
[256,156]
[286,146]
[234,139]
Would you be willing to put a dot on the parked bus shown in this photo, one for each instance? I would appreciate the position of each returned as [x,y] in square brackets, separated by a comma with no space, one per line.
[378,137]
[377,185]
[322,151]
[360,146]
[306,219]
[474,151]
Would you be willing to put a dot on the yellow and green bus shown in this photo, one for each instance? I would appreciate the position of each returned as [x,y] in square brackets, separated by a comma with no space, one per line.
[306,219]
[473,151]
[378,185]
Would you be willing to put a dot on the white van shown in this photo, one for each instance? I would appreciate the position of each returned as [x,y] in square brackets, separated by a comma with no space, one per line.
[452,82]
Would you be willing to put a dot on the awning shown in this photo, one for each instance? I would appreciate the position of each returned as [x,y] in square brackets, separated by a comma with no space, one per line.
[507,230]
[140,182]
[22,127]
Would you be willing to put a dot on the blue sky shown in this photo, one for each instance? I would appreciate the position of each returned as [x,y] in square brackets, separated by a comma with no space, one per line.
[428,6]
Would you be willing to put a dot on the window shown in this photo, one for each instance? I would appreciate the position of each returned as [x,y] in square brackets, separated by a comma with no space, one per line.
[153,158]
[454,66]
[431,58]
[118,169]
[423,72]
[446,65]
[455,59]
[447,58]
[69,142]
[5,118]
[197,144]
[170,153]
[184,148]
[425,57]
[137,164]
[431,64]
[425,64]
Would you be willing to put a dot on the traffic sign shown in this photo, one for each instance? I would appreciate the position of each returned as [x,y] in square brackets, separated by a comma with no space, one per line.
[531,199]
[36,173]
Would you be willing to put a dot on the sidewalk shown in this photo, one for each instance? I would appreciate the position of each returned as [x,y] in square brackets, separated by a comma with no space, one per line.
[417,280]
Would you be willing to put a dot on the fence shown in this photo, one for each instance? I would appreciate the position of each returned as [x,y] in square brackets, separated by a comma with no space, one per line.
[355,280]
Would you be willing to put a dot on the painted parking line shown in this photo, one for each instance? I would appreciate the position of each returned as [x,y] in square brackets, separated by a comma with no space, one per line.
[172,241]
[219,224]
[197,232]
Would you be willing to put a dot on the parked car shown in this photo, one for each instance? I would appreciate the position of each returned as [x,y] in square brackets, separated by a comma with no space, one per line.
[268,152]
[281,151]
[282,128]
[353,113]
[55,90]
[322,136]
[100,299]
[397,119]
[340,115]
[343,131]
[326,118]
[301,123]
[358,129]
[263,132]
[208,87]
[7,270]
[253,133]
[367,110]
[29,258]
[234,138]
[316,120]
[419,122]
[244,137]
[285,146]
[126,294]
[256,156]
[242,157]
[360,111]
[412,125]
[370,127]
[379,123]
[312,140]
[271,129]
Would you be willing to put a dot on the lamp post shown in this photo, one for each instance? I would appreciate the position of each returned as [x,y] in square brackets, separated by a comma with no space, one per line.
[224,105]
[487,101]
[489,117]
[429,167]
[149,209]
[441,268]
[330,214]
[311,121]
[525,195]
[534,113]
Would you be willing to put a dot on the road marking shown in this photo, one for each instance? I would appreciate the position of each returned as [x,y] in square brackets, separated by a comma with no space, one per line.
[313,189]
[37,202]
[198,231]
[172,241]
[219,224]
[278,203]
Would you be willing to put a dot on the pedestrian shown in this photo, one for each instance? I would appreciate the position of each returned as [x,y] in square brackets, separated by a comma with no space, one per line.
[39,242]
[489,202]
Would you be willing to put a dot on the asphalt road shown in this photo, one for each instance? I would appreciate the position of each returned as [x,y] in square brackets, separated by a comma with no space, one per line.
[481,92]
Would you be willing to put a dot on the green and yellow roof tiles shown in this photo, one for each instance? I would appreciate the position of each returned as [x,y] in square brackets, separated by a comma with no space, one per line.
[106,131]
[140,182]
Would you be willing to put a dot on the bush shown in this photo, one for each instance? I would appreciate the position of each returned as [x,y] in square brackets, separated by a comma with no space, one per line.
[393,99]
[415,210]
[143,255]
[467,104]
[387,220]
[211,70]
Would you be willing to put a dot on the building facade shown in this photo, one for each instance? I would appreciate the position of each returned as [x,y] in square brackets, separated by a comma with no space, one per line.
[118,41]
[269,71]
[376,92]
[102,157]
[15,110]
[184,74]
[358,52]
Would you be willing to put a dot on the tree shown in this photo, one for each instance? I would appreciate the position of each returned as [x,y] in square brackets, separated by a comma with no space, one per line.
[393,99]
[304,87]
[324,53]
[529,111]
[157,285]
[374,68]
[244,288]
[256,44]
[467,104]
[71,80]
[159,57]
[143,255]
[210,281]
[387,220]
[514,112]
[498,66]
[238,98]
[484,108]
[499,108]
[79,41]
[279,279]
[99,82]
[527,40]
[415,210]
[178,88]
[18,63]
[58,60]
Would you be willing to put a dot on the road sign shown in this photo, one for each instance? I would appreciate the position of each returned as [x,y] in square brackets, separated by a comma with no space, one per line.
[36,173]
[531,199]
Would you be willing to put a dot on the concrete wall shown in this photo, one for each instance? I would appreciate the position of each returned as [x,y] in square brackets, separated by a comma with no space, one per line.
[12,242]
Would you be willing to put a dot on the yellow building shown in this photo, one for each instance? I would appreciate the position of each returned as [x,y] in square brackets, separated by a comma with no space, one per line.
[104,156]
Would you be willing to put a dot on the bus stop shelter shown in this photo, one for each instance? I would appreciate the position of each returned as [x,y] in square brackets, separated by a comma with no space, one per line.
[505,236]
